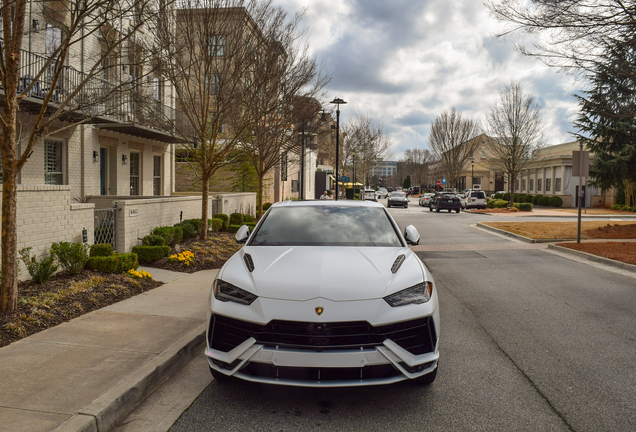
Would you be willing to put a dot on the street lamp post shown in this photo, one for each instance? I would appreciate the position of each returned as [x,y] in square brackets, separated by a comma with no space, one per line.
[337,102]
[302,163]
[353,155]
[472,176]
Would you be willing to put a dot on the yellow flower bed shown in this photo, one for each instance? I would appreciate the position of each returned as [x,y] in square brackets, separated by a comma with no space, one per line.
[142,274]
[185,258]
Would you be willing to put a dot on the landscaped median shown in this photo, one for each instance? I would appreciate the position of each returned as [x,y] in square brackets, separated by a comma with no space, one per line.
[591,232]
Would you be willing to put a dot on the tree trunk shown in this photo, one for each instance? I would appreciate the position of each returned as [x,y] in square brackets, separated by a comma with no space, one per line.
[9,297]
[205,193]
[259,198]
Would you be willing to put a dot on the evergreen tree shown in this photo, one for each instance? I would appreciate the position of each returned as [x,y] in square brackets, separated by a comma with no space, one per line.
[607,121]
[407,182]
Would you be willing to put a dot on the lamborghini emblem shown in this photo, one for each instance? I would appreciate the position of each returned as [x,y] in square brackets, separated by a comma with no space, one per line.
[319,310]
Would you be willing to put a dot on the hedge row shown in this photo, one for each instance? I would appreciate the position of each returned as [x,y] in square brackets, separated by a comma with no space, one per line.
[542,200]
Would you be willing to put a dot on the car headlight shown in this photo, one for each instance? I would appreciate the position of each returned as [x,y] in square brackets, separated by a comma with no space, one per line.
[225,291]
[417,294]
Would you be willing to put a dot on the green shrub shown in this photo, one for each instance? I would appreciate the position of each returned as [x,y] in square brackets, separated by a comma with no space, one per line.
[500,204]
[225,218]
[153,240]
[188,230]
[266,206]
[40,271]
[148,254]
[525,206]
[251,225]
[535,199]
[116,263]
[236,219]
[544,200]
[616,207]
[172,235]
[234,228]
[101,249]
[215,224]
[71,256]
[528,199]
[196,223]
[556,201]
[499,196]
[248,218]
[506,197]
[519,197]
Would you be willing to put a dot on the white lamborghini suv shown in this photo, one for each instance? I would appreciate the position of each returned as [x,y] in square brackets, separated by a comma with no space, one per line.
[324,294]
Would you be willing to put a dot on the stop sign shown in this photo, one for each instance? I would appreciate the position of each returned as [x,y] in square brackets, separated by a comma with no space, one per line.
[439,183]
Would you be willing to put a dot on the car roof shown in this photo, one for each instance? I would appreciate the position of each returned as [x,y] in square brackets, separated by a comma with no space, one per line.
[327,203]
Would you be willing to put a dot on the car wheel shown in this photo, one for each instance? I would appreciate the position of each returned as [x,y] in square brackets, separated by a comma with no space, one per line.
[437,210]
[426,379]
[430,208]
[406,206]
[457,210]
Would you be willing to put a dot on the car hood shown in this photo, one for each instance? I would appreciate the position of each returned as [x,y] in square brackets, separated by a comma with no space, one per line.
[336,273]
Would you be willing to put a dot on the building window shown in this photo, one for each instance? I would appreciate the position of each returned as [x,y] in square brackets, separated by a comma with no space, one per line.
[294,185]
[557,185]
[471,154]
[539,185]
[517,185]
[214,83]
[477,180]
[483,154]
[217,46]
[53,163]
[523,184]
[134,173]
[53,39]
[548,184]
[156,176]
[530,185]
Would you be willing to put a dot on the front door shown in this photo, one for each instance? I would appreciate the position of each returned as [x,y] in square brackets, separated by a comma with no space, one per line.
[102,171]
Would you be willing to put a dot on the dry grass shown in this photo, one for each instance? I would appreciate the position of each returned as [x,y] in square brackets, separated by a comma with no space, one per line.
[563,230]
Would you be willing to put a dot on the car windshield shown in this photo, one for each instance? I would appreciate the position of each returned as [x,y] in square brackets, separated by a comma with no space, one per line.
[397,194]
[326,226]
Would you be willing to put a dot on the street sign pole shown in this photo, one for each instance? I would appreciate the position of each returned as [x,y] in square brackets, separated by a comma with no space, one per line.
[580,168]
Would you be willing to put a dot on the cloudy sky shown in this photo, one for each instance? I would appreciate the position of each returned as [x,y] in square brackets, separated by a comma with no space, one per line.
[406,61]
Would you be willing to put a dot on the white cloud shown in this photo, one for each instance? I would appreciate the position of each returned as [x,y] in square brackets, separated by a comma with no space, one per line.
[405,61]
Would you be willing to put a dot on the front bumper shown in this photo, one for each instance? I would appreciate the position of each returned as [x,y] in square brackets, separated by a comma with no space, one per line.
[283,352]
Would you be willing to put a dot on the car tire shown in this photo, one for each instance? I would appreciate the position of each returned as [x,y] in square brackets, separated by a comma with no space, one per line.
[426,379]
[406,206]
[457,210]
[437,210]
[430,208]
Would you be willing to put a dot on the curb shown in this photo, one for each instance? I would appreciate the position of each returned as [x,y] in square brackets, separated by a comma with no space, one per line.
[103,413]
[519,237]
[594,258]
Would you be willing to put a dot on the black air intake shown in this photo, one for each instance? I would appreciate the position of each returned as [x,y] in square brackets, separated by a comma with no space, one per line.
[397,264]
[249,262]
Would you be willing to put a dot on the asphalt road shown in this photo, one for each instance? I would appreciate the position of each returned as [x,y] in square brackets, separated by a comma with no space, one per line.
[530,341]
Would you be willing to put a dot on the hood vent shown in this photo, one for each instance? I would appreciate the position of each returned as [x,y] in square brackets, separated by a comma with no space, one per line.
[397,264]
[248,262]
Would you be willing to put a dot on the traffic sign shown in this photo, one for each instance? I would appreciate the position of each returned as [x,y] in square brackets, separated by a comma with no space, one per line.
[439,183]
[344,178]
[443,181]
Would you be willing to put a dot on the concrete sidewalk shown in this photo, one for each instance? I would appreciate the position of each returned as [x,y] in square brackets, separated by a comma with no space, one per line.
[86,374]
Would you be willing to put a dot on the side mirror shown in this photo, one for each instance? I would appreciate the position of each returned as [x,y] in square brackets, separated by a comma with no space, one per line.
[242,234]
[412,235]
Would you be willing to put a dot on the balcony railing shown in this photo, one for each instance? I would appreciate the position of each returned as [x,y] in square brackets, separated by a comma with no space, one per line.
[98,100]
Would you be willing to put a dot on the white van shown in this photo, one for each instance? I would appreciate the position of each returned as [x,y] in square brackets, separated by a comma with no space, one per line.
[476,199]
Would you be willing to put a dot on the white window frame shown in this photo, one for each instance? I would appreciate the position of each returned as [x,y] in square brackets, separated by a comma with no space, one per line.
[138,175]
[62,162]
[157,189]
[217,46]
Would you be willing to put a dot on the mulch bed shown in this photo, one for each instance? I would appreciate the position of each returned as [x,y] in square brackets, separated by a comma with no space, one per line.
[613,231]
[496,210]
[209,254]
[65,297]
[619,251]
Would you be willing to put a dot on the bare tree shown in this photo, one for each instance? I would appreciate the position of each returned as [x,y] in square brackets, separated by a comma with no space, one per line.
[209,56]
[366,140]
[571,34]
[416,162]
[285,83]
[44,93]
[452,142]
[516,133]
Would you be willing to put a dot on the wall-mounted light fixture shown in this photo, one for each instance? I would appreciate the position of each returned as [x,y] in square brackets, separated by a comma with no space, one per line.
[124,159]
[95,156]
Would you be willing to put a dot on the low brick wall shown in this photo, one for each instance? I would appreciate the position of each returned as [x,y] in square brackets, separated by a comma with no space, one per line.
[47,214]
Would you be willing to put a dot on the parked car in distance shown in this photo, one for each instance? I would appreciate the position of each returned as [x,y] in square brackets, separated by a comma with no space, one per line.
[369,195]
[275,316]
[462,199]
[445,201]
[382,192]
[492,196]
[476,199]
[397,199]
[425,199]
